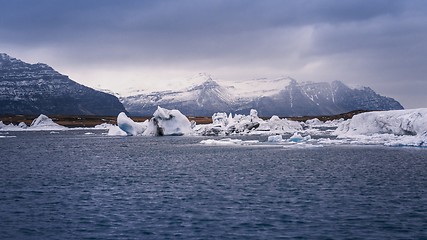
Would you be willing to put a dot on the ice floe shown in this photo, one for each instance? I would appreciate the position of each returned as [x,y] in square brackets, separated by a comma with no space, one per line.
[273,141]
[228,141]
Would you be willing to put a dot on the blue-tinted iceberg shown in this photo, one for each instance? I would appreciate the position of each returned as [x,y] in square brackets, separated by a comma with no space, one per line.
[130,127]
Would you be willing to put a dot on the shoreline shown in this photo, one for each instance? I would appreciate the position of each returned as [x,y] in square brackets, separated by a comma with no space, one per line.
[91,121]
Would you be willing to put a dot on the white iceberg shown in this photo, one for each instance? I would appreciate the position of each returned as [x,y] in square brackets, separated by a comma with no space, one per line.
[116,131]
[394,128]
[22,125]
[9,127]
[220,119]
[314,122]
[246,125]
[104,126]
[43,122]
[275,138]
[168,123]
[129,126]
[164,122]
[276,125]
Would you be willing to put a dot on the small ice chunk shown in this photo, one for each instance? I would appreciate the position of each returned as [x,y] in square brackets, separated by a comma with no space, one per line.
[116,131]
[275,138]
[22,125]
[228,141]
[296,137]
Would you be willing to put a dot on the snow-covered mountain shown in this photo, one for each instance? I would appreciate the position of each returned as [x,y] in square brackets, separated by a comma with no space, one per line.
[37,88]
[281,96]
[201,99]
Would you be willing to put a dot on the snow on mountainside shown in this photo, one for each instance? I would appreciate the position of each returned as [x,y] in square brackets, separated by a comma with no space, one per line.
[281,96]
[200,99]
[37,88]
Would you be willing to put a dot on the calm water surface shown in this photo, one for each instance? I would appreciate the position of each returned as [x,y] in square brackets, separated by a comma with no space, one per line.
[75,186]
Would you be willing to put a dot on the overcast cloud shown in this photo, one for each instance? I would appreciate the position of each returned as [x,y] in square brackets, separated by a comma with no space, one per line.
[121,44]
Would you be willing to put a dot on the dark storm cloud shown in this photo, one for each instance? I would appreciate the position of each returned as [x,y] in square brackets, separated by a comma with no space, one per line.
[377,43]
[62,19]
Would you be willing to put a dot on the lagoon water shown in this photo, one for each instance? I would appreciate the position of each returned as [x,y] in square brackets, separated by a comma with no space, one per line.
[71,185]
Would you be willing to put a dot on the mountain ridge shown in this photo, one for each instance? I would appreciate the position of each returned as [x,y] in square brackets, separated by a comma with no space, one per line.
[37,88]
[293,99]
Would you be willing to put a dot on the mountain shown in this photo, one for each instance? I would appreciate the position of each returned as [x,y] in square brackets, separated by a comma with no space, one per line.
[33,89]
[283,97]
[203,99]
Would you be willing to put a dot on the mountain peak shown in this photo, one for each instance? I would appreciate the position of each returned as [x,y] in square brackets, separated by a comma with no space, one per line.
[6,58]
[201,78]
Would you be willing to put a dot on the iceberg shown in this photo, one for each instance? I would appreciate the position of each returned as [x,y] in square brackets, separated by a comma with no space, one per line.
[392,128]
[116,131]
[296,137]
[275,138]
[9,127]
[168,123]
[130,127]
[246,125]
[43,122]
[22,125]
[103,126]
[163,123]
[276,125]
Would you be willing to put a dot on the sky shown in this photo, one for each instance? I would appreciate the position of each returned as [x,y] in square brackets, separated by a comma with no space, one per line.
[122,45]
